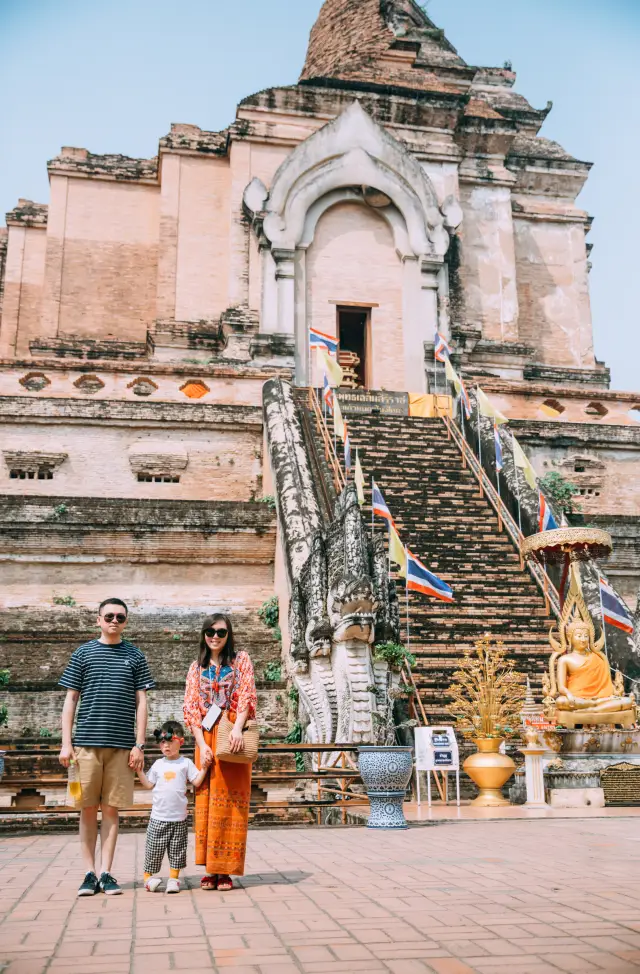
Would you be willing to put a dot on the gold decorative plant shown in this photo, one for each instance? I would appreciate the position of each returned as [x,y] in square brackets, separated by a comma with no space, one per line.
[487,693]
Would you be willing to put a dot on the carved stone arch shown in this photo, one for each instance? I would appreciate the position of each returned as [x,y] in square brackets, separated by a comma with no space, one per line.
[352,150]
[390,214]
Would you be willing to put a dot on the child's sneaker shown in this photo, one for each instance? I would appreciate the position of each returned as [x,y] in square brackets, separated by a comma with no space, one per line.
[153,884]
[90,885]
[173,886]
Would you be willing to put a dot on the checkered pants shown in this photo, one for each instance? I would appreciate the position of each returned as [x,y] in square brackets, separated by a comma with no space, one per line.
[164,837]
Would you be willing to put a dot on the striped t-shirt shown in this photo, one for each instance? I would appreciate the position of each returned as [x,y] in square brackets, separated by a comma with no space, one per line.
[107,678]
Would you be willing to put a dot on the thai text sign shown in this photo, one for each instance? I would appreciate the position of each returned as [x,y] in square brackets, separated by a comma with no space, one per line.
[436,749]
[362,403]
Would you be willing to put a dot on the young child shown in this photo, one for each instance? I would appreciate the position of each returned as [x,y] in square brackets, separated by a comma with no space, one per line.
[167,829]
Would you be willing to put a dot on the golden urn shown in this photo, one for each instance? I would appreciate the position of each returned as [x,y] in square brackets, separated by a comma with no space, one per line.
[489,769]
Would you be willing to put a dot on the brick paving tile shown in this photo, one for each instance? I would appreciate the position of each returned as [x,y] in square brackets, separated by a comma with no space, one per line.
[451,900]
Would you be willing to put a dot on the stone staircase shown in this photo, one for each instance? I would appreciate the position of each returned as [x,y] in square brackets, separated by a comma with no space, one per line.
[441,516]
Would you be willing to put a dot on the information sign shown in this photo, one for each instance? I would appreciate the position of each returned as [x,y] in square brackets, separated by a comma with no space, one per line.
[437,751]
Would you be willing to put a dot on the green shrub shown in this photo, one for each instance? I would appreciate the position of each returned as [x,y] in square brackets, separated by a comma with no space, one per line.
[273,672]
[560,492]
[269,500]
[64,600]
[269,612]
[394,654]
[5,676]
[4,715]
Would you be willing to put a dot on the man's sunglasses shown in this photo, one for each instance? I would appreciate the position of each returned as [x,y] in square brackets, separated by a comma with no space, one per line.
[220,633]
[118,616]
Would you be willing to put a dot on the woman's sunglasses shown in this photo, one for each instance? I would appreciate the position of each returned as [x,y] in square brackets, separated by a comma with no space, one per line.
[220,633]
[119,617]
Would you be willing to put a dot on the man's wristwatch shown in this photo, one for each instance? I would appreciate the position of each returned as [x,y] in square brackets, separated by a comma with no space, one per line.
[139,746]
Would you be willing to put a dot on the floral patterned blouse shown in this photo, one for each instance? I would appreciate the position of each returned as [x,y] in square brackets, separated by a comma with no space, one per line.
[233,689]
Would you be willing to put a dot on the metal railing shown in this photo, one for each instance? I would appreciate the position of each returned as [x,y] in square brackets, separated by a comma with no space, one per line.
[329,451]
[505,518]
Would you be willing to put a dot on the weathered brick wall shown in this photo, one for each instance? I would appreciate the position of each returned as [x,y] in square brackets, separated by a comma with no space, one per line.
[103,264]
[37,643]
[554,446]
[487,268]
[24,279]
[555,312]
[220,463]
[202,269]
[353,259]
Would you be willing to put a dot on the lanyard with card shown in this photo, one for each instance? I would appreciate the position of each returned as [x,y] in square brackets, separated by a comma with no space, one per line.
[211,717]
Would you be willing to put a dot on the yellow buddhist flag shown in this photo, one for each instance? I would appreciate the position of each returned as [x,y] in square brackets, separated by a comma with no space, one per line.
[452,375]
[397,552]
[358,479]
[338,421]
[521,460]
[331,368]
[488,409]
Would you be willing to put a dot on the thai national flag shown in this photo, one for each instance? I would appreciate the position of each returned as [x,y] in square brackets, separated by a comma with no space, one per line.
[318,339]
[327,395]
[420,579]
[496,440]
[614,611]
[442,350]
[546,520]
[379,504]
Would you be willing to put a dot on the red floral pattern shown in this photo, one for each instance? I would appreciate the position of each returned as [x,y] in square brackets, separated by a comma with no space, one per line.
[197,692]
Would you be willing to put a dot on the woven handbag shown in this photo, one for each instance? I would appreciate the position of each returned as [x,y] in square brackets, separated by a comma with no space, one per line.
[250,735]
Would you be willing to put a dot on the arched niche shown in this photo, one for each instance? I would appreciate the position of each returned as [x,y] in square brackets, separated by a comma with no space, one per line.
[344,160]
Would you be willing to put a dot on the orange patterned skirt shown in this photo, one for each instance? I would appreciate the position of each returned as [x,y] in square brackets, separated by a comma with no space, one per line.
[222,814]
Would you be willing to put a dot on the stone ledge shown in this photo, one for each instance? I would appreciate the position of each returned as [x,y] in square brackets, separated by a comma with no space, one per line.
[599,377]
[226,370]
[25,409]
[88,348]
[190,139]
[65,514]
[577,434]
[28,214]
[81,162]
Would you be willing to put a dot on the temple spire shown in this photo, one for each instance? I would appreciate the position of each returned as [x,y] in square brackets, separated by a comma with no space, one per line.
[381,42]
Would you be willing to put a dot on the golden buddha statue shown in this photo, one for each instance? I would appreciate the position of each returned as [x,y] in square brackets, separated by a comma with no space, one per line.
[579,689]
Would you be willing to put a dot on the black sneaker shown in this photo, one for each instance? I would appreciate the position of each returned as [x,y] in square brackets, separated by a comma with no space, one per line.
[90,885]
[108,885]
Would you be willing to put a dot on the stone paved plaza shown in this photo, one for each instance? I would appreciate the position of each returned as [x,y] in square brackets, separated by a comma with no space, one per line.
[525,897]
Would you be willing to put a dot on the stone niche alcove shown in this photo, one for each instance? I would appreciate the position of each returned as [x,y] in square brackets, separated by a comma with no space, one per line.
[351,211]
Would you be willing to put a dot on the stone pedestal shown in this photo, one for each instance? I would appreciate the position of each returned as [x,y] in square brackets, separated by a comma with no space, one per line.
[534,776]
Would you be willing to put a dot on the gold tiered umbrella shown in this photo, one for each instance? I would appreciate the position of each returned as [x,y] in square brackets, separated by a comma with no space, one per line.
[577,543]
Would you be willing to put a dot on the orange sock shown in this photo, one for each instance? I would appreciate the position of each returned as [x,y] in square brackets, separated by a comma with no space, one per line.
[147,876]
[174,873]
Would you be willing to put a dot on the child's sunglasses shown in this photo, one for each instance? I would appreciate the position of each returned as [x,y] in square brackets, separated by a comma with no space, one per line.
[220,633]
[118,616]
[167,736]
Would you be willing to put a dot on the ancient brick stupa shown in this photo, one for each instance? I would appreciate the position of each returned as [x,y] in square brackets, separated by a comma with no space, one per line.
[394,190]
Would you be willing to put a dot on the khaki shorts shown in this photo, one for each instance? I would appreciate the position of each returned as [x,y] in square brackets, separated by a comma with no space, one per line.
[105,776]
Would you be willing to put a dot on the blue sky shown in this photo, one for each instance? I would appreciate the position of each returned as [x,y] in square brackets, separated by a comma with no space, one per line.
[111,75]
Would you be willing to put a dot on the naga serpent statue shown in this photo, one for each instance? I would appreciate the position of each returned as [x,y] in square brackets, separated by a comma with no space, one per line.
[341,600]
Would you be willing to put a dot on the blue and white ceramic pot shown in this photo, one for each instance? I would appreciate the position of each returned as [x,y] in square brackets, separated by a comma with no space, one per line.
[386,772]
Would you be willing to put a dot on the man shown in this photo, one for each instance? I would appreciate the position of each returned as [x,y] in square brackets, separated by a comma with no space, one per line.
[110,677]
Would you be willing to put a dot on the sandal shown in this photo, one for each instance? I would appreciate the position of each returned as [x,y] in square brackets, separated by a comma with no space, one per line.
[225,883]
[209,882]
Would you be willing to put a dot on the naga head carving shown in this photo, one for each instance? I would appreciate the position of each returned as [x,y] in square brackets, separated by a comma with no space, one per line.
[352,609]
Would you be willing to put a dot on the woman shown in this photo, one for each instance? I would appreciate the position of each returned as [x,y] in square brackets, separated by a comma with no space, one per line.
[223,677]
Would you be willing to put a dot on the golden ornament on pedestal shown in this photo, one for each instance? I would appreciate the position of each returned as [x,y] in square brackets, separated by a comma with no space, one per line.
[486,699]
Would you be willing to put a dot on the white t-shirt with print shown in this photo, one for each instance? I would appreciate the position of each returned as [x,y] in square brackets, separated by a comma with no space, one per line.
[170,791]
